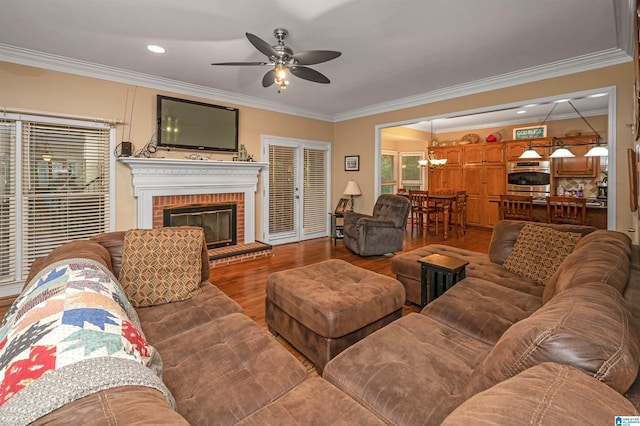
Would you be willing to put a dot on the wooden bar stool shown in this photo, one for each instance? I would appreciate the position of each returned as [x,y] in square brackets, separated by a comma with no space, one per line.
[566,210]
[517,207]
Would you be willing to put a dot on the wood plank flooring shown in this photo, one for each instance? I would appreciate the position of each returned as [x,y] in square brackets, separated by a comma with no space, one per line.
[245,282]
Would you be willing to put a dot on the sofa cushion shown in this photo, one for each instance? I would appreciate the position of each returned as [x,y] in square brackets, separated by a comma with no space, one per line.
[603,256]
[550,394]
[161,265]
[587,327]
[164,321]
[482,309]
[414,370]
[505,233]
[224,370]
[314,402]
[539,251]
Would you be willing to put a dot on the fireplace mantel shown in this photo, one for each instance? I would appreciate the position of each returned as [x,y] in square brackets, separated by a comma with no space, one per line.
[153,177]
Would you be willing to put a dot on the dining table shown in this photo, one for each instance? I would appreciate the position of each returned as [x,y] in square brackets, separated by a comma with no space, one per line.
[446,200]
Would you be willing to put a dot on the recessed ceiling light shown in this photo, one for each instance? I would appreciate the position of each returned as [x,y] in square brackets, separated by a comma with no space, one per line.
[522,111]
[155,48]
[597,95]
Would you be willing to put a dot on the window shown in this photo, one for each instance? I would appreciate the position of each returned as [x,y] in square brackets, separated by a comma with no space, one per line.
[388,175]
[59,189]
[7,201]
[411,170]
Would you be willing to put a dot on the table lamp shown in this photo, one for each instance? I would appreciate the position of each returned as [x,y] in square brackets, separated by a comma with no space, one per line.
[351,190]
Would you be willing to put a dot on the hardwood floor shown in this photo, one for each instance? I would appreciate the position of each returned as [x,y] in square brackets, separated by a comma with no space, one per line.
[245,282]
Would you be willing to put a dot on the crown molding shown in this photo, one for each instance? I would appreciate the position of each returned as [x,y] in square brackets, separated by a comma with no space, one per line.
[88,69]
[37,59]
[589,62]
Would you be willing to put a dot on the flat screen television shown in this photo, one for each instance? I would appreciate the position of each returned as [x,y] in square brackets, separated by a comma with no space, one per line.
[195,125]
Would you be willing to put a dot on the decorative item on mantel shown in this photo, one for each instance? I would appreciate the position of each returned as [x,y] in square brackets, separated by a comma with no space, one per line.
[242,153]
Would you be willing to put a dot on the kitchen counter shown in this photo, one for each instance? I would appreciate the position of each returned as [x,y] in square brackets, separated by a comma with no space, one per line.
[590,204]
[596,214]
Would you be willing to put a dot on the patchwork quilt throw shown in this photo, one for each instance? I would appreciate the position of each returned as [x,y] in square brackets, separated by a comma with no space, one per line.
[72,332]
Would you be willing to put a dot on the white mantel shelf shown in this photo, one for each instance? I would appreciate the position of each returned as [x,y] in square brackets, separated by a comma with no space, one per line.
[154,177]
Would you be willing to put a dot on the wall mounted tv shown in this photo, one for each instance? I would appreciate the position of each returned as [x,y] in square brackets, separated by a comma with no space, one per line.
[195,125]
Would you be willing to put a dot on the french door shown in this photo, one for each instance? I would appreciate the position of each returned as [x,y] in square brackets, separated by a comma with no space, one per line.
[295,190]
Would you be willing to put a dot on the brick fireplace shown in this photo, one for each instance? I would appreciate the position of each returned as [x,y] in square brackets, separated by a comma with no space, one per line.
[160,182]
[161,203]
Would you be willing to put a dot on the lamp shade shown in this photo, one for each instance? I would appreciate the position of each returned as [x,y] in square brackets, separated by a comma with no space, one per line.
[597,151]
[562,153]
[352,189]
[530,153]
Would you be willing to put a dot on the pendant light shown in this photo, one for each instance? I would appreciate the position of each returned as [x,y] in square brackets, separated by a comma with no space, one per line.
[598,150]
[530,153]
[561,152]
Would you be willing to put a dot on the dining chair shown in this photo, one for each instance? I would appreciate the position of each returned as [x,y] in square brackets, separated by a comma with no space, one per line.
[421,210]
[459,213]
[566,210]
[517,207]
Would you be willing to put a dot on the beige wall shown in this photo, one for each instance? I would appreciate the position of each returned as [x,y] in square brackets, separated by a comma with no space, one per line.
[61,93]
[38,89]
[357,136]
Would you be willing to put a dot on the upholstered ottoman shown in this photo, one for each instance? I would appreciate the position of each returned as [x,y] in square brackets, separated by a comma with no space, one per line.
[324,308]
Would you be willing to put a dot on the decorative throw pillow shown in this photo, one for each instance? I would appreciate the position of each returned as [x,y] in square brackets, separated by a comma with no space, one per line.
[161,265]
[539,251]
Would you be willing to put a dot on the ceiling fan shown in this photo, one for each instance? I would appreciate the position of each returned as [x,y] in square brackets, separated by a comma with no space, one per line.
[282,58]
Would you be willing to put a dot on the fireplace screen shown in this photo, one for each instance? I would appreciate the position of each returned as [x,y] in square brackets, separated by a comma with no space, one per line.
[217,220]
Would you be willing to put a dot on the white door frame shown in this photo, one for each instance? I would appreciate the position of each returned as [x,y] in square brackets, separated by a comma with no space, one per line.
[299,144]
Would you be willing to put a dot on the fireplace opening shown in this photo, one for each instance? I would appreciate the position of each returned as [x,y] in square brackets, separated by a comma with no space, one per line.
[217,220]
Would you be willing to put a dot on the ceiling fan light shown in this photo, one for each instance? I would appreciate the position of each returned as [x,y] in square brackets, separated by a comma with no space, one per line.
[281,72]
[562,153]
[529,154]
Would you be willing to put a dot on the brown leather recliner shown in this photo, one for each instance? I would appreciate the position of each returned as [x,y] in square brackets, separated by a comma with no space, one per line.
[380,233]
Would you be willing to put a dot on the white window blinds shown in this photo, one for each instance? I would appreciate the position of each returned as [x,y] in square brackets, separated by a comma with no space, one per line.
[315,191]
[282,172]
[7,201]
[65,186]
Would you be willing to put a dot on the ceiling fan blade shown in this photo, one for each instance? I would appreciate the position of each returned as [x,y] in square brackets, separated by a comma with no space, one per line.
[309,74]
[262,45]
[242,64]
[311,57]
[269,78]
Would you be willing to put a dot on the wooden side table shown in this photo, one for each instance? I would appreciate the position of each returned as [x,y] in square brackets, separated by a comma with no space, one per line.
[440,272]
[337,227]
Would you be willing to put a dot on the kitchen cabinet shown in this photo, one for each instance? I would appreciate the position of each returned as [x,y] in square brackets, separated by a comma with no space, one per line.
[578,166]
[483,153]
[449,176]
[446,177]
[516,148]
[484,184]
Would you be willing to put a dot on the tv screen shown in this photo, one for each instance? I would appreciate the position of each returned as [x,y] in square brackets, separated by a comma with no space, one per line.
[196,125]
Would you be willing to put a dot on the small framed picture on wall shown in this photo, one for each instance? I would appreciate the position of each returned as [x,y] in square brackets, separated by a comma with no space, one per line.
[352,163]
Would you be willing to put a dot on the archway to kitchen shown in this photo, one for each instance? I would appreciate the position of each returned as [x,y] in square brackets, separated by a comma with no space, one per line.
[484,121]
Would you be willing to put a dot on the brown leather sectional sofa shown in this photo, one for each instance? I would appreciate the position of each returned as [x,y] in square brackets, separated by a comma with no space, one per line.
[494,349]
[521,343]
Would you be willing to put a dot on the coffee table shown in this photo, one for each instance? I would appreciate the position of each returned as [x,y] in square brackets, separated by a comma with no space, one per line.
[439,273]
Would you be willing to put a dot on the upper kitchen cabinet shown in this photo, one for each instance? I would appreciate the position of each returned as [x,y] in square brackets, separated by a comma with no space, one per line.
[516,148]
[483,154]
[453,154]
[578,166]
